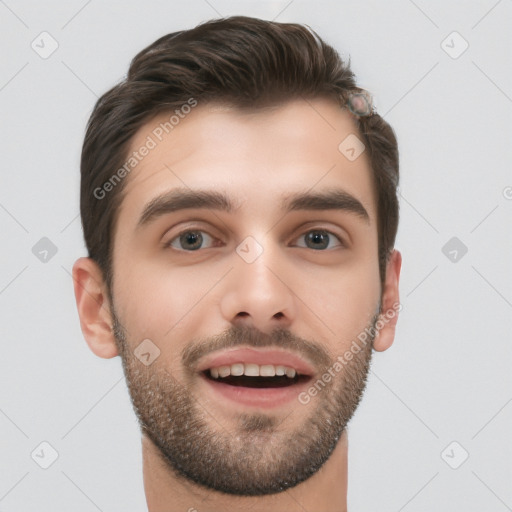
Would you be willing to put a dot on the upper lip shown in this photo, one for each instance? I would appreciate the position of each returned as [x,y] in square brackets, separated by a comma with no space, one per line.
[256,356]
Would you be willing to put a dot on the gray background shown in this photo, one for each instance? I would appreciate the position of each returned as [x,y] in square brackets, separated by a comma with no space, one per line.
[448,375]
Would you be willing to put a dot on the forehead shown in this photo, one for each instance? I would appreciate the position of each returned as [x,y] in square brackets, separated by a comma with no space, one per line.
[256,157]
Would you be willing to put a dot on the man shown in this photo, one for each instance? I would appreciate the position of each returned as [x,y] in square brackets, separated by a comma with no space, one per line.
[238,201]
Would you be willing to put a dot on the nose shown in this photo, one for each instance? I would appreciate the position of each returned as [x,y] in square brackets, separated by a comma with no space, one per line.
[259,294]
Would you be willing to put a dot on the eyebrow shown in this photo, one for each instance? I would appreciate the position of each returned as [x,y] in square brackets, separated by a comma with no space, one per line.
[183,199]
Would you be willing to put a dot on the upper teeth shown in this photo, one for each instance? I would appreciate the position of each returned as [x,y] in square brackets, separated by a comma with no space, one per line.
[252,370]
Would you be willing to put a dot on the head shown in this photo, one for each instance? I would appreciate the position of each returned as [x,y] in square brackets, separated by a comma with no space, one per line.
[238,191]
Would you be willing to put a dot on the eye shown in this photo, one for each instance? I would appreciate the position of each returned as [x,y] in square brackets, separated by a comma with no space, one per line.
[320,239]
[195,239]
[190,240]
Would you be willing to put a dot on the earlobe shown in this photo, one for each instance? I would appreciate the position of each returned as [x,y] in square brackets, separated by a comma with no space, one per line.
[386,324]
[93,308]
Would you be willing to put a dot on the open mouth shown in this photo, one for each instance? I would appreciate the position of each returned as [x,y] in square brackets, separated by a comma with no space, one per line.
[247,381]
[257,384]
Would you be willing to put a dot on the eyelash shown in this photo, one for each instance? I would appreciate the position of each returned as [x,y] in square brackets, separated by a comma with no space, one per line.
[191,230]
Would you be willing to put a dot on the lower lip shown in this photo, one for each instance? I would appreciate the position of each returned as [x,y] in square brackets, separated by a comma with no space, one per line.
[257,397]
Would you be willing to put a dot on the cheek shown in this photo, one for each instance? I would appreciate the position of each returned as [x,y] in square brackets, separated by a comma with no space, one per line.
[344,300]
[158,304]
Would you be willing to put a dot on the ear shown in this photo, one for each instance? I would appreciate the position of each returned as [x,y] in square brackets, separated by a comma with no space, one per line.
[390,304]
[94,308]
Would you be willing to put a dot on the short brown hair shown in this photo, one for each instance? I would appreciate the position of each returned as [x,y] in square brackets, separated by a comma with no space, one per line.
[246,62]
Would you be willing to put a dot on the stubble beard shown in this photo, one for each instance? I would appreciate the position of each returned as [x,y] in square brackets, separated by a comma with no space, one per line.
[260,453]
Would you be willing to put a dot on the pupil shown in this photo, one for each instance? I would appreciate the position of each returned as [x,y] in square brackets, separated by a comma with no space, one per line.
[318,236]
[192,237]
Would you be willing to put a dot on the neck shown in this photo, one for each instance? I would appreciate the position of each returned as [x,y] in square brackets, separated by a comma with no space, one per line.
[168,492]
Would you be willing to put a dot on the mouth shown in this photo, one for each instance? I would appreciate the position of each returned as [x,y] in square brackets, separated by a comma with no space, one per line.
[249,377]
[254,376]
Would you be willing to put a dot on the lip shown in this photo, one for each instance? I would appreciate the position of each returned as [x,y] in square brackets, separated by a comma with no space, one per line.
[260,357]
[262,398]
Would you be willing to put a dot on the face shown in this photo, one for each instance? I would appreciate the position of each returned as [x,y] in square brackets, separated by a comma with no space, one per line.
[245,267]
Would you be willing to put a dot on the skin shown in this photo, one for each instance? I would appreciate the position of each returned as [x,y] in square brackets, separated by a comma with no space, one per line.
[178,298]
